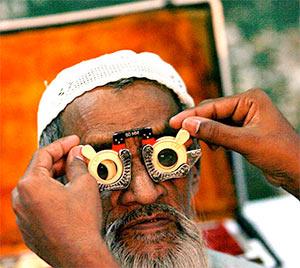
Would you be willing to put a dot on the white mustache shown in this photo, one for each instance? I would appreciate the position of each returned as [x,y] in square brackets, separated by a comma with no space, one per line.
[143,211]
[187,248]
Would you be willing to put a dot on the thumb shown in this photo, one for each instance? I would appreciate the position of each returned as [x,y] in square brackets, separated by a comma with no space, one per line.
[77,172]
[213,132]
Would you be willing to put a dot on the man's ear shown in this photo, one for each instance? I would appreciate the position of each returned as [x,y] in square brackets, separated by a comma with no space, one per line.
[195,178]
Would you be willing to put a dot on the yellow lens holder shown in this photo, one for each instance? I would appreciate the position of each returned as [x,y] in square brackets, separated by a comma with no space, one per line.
[161,165]
[174,143]
[109,158]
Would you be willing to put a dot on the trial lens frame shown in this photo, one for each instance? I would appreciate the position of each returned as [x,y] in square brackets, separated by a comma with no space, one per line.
[165,158]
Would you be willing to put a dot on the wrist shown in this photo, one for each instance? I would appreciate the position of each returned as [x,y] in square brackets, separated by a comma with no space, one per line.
[285,173]
[90,253]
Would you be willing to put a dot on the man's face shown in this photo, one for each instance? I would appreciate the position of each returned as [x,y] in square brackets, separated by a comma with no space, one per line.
[141,212]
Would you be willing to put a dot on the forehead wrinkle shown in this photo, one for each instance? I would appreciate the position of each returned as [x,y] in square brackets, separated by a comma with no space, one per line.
[96,137]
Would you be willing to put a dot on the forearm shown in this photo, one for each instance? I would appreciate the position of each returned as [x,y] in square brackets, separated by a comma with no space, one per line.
[289,182]
[293,189]
[286,173]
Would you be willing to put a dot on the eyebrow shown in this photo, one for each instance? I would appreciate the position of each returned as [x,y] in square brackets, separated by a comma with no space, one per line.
[101,146]
[166,131]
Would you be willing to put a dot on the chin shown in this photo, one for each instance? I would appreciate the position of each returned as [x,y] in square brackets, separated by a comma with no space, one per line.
[155,244]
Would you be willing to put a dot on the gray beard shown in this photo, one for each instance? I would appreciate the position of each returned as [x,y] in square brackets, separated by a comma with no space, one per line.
[187,248]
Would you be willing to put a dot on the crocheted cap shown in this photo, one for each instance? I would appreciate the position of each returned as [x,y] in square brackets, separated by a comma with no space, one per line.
[87,75]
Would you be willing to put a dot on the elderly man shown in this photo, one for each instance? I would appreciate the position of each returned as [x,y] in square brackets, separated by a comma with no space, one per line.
[120,104]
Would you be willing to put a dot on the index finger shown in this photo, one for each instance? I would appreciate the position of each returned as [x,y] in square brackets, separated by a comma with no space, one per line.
[235,107]
[77,171]
[47,156]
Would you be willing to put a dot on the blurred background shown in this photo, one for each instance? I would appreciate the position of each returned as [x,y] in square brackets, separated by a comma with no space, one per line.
[263,41]
[264,47]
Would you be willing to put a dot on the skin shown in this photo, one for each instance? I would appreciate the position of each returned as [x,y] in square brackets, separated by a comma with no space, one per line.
[62,223]
[97,115]
[54,219]
[250,124]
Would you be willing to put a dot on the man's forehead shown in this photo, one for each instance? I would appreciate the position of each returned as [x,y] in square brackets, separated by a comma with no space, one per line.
[97,115]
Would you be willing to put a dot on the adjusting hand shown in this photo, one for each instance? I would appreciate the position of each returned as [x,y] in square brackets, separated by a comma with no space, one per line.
[250,124]
[61,223]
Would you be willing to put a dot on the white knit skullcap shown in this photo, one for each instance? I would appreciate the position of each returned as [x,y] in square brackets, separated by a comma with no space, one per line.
[74,81]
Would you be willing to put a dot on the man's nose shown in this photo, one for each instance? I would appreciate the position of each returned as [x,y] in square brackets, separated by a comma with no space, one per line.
[142,189]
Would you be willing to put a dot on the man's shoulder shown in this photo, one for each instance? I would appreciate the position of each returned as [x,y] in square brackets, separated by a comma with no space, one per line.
[221,260]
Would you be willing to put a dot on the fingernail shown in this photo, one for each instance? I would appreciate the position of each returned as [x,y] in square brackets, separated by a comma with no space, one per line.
[192,124]
[76,152]
[171,120]
[79,158]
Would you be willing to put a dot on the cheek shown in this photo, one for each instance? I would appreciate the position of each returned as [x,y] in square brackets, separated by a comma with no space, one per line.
[110,206]
[106,206]
[178,194]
